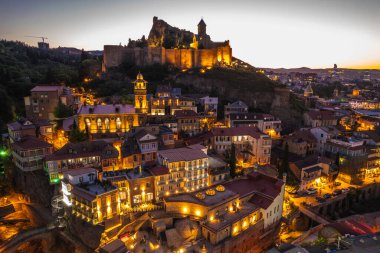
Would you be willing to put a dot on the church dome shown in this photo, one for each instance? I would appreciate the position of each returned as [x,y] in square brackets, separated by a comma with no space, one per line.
[140,76]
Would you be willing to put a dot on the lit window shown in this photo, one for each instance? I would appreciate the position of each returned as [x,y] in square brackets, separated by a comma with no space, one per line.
[107,123]
[118,123]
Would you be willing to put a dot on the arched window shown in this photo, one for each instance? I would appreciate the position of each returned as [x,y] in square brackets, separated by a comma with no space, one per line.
[118,123]
[107,123]
[88,122]
[99,123]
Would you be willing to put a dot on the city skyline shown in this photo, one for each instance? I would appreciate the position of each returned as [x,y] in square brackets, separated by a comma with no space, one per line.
[273,34]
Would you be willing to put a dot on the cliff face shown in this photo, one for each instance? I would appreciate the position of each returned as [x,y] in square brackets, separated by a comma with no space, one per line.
[164,35]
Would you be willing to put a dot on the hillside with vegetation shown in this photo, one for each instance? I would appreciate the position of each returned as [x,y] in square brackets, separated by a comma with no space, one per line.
[22,67]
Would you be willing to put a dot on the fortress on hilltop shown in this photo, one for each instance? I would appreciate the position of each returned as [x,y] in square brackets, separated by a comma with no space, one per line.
[170,45]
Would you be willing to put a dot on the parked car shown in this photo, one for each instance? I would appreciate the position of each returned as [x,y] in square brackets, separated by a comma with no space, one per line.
[311,191]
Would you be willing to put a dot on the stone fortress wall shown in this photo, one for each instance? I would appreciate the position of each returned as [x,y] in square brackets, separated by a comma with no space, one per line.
[113,56]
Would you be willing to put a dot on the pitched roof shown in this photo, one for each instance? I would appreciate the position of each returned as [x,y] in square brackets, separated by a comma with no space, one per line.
[182,154]
[85,149]
[238,104]
[185,114]
[107,109]
[31,142]
[238,131]
[311,160]
[256,183]
[321,115]
[202,22]
[159,170]
[301,136]
[45,88]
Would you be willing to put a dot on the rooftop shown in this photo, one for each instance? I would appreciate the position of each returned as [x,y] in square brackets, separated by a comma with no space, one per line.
[208,200]
[90,191]
[30,142]
[106,109]
[41,88]
[229,218]
[236,104]
[80,171]
[238,131]
[182,154]
[256,183]
[84,149]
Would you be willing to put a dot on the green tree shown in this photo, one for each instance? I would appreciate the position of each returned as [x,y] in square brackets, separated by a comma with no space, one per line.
[63,111]
[232,161]
[76,135]
[337,159]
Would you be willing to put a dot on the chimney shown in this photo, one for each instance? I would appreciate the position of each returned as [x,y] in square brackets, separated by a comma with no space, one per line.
[91,110]
[117,109]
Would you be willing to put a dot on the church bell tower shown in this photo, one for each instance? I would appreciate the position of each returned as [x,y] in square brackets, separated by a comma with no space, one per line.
[141,103]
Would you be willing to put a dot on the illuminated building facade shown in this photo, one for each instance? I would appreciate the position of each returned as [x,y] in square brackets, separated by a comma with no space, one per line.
[89,199]
[235,107]
[228,210]
[187,170]
[188,122]
[103,119]
[141,102]
[139,149]
[313,171]
[320,118]
[266,123]
[42,129]
[169,105]
[44,99]
[248,141]
[96,154]
[29,153]
[301,142]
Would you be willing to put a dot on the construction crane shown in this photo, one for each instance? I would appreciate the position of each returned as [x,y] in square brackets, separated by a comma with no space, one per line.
[43,38]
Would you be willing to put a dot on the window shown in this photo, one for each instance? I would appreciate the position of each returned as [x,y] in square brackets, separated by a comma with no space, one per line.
[137,199]
[107,123]
[149,196]
[99,123]
[88,122]
[118,123]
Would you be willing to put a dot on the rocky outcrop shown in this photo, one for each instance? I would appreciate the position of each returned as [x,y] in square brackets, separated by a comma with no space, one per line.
[164,35]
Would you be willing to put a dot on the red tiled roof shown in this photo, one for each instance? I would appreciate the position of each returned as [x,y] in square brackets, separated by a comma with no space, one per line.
[300,136]
[107,109]
[45,88]
[159,170]
[261,201]
[256,183]
[199,138]
[237,131]
[185,114]
[321,115]
[31,142]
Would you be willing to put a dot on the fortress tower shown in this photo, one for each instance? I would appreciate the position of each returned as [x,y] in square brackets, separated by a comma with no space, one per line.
[141,103]
[202,28]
